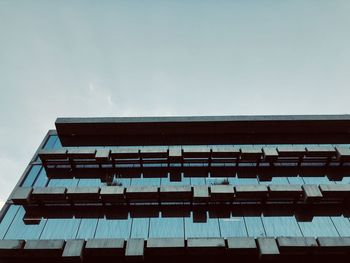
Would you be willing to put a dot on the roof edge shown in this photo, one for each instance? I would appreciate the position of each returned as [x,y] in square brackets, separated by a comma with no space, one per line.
[223,118]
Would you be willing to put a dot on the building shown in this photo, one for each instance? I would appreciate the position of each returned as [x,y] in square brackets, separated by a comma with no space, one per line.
[184,188]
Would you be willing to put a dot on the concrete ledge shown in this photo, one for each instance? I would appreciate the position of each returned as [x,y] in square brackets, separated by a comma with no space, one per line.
[49,194]
[285,192]
[135,248]
[112,194]
[201,193]
[142,193]
[198,246]
[73,250]
[105,247]
[81,153]
[242,246]
[165,246]
[175,193]
[312,193]
[334,245]
[268,248]
[82,194]
[297,245]
[335,190]
[102,155]
[291,151]
[21,195]
[11,248]
[251,154]
[343,154]
[44,248]
[222,193]
[270,154]
[320,151]
[255,192]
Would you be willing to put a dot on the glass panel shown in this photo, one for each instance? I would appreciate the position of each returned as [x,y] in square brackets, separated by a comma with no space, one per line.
[296,180]
[89,182]
[239,181]
[87,228]
[145,181]
[41,179]
[60,228]
[139,228]
[276,180]
[319,226]
[7,219]
[19,230]
[317,180]
[121,181]
[57,144]
[50,142]
[232,227]
[63,182]
[342,225]
[167,227]
[276,226]
[31,175]
[208,227]
[197,181]
[254,226]
[113,228]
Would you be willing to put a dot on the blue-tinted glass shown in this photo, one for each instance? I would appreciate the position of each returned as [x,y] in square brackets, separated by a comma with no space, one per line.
[342,224]
[60,228]
[319,226]
[145,181]
[31,175]
[18,230]
[50,142]
[317,180]
[167,227]
[41,179]
[89,182]
[216,181]
[184,181]
[232,227]
[276,180]
[122,181]
[139,228]
[276,226]
[113,228]
[87,228]
[339,144]
[296,180]
[197,181]
[239,181]
[254,226]
[345,180]
[58,144]
[205,228]
[7,219]
[63,182]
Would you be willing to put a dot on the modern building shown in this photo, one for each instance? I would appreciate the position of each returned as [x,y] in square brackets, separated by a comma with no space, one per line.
[150,189]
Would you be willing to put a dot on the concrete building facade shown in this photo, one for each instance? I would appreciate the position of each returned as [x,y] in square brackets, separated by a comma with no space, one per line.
[150,189]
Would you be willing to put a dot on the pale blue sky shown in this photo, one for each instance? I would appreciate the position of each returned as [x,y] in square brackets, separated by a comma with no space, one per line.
[138,58]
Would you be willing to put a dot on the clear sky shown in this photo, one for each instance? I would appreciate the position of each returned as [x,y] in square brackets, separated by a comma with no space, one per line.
[145,58]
